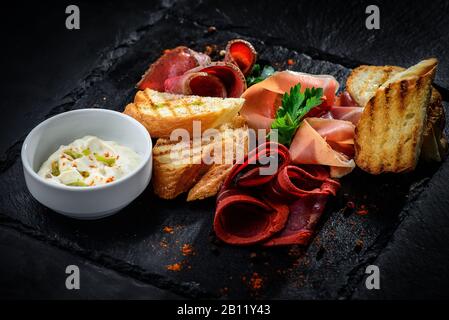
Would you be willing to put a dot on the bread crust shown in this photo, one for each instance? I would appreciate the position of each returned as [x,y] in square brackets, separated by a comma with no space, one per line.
[389,135]
[172,177]
[145,110]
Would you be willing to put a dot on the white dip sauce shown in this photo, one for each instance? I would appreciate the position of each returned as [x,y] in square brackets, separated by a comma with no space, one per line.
[89,161]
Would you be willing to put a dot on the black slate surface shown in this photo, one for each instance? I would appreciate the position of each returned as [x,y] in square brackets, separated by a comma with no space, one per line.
[407,215]
[23,262]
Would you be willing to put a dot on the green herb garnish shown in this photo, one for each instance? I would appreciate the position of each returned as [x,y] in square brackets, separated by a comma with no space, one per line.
[86,152]
[73,154]
[258,74]
[294,107]
[55,169]
[108,161]
[78,183]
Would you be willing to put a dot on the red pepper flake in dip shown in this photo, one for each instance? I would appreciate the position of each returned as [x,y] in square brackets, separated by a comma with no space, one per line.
[110,179]
[291,62]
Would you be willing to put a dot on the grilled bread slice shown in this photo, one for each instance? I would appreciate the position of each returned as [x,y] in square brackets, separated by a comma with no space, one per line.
[389,134]
[210,183]
[162,112]
[175,172]
[179,166]
[363,83]
[235,146]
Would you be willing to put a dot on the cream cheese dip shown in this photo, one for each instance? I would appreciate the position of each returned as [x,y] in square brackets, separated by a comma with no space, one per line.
[89,161]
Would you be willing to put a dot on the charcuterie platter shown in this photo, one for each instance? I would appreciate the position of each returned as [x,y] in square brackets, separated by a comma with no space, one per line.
[332,200]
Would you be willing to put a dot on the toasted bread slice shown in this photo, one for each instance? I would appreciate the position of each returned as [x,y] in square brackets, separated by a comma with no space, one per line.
[162,112]
[210,183]
[178,166]
[235,146]
[363,83]
[174,172]
[389,134]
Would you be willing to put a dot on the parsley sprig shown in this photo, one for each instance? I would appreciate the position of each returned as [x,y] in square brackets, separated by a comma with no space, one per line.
[294,107]
[259,74]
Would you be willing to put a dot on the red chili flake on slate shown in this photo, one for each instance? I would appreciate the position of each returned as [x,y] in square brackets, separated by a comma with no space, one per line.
[362,210]
[168,229]
[358,245]
[224,291]
[290,62]
[187,250]
[176,267]
[256,282]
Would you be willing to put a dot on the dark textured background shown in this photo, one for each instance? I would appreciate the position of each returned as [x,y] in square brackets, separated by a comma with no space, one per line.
[47,69]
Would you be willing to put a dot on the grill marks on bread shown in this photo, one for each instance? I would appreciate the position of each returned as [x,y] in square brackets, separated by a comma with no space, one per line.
[390,132]
[162,113]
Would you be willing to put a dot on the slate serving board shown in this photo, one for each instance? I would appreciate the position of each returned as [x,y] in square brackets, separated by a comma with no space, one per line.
[133,242]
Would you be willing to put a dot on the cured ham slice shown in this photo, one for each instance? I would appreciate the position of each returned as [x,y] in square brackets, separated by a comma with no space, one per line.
[324,141]
[242,54]
[345,108]
[351,114]
[172,63]
[277,209]
[263,98]
[217,79]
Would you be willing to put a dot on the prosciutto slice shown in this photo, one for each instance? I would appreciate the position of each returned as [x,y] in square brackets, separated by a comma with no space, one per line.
[263,98]
[217,79]
[324,139]
[278,209]
[345,108]
[172,63]
[327,142]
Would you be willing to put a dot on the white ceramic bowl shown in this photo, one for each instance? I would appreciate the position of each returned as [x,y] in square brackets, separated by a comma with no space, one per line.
[86,202]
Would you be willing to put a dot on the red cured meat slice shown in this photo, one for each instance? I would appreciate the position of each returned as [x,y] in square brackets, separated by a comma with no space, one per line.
[242,54]
[304,215]
[245,220]
[218,79]
[172,63]
[278,209]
